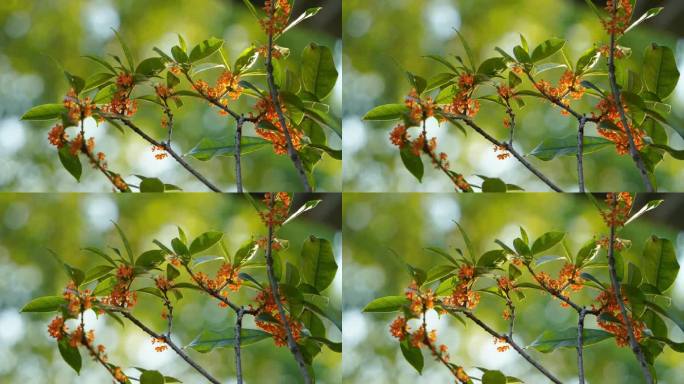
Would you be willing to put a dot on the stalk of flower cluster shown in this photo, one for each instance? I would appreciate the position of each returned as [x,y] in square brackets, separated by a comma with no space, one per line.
[636,348]
[513,344]
[238,150]
[179,159]
[617,98]
[179,351]
[508,147]
[292,345]
[275,99]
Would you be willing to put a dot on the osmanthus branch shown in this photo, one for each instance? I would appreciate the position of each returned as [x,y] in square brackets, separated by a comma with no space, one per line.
[511,342]
[94,353]
[179,351]
[617,98]
[439,356]
[275,99]
[292,344]
[580,344]
[636,348]
[238,153]
[179,159]
[238,345]
[468,121]
[580,153]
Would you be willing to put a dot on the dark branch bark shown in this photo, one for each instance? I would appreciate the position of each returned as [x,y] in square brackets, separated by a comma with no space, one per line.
[238,150]
[292,345]
[636,348]
[580,345]
[238,355]
[580,154]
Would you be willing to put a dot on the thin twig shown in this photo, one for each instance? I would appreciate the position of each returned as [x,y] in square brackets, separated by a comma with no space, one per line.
[580,344]
[508,147]
[294,348]
[179,159]
[238,335]
[636,348]
[275,99]
[512,343]
[617,98]
[580,153]
[238,150]
[179,351]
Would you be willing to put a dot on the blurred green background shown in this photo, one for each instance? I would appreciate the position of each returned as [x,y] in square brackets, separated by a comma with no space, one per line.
[385,38]
[33,31]
[30,224]
[376,225]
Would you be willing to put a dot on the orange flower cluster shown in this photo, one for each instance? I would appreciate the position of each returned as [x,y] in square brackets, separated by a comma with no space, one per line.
[462,295]
[399,328]
[399,135]
[462,376]
[277,330]
[619,18]
[227,276]
[57,329]
[78,109]
[267,113]
[502,348]
[568,85]
[163,91]
[420,302]
[505,92]
[610,113]
[569,276]
[609,305]
[227,84]
[505,284]
[57,136]
[279,12]
[77,301]
[163,283]
[121,295]
[121,103]
[463,103]
[160,348]
[119,375]
[277,214]
[605,51]
[504,153]
[620,205]
[160,152]
[419,109]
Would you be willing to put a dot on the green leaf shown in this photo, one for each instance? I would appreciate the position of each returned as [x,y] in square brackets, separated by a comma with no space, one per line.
[151,66]
[334,153]
[150,258]
[97,80]
[309,205]
[587,61]
[412,162]
[521,55]
[651,205]
[44,304]
[45,112]
[71,355]
[205,49]
[387,112]
[547,49]
[71,162]
[493,377]
[413,355]
[466,47]
[547,241]
[151,185]
[246,60]
[318,264]
[208,339]
[660,266]
[126,50]
[567,146]
[75,82]
[660,71]
[245,253]
[653,12]
[311,12]
[179,54]
[438,272]
[126,243]
[152,377]
[490,67]
[494,185]
[386,304]
[551,340]
[96,272]
[208,148]
[490,259]
[205,241]
[319,74]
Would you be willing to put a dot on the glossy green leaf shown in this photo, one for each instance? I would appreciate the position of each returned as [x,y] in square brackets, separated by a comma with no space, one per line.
[151,185]
[151,66]
[493,377]
[96,272]
[208,148]
[44,304]
[387,112]
[205,241]
[318,264]
[386,304]
[205,49]
[150,258]
[45,112]
[551,340]
[208,339]
[309,13]
[547,49]
[547,241]
[412,162]
[71,162]
[71,355]
[152,377]
[659,263]
[567,146]
[319,74]
[413,355]
[494,185]
[651,13]
[660,71]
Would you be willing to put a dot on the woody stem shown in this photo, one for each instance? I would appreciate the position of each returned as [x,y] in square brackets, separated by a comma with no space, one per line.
[238,341]
[238,150]
[580,345]
[634,345]
[275,99]
[179,351]
[580,153]
[291,343]
[617,98]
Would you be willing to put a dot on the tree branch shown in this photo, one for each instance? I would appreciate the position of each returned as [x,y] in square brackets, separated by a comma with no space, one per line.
[580,345]
[179,159]
[275,99]
[580,153]
[508,147]
[294,348]
[636,348]
[512,343]
[238,149]
[617,98]
[179,351]
[238,356]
